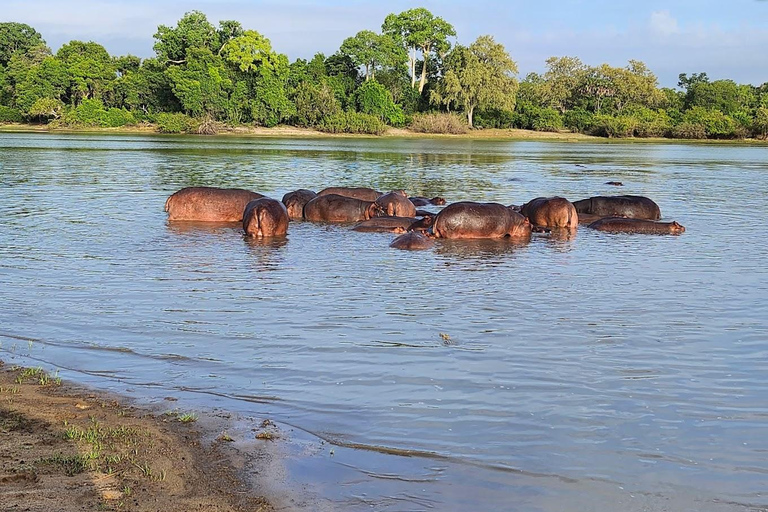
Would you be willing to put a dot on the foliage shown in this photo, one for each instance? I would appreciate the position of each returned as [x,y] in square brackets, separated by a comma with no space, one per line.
[175,123]
[614,127]
[90,70]
[352,122]
[314,103]
[716,124]
[495,118]
[479,76]
[115,117]
[373,51]
[373,98]
[760,125]
[439,123]
[46,108]
[579,120]
[418,29]
[10,115]
[17,38]
[548,120]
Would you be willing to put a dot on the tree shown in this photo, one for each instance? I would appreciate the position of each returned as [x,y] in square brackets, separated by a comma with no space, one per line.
[192,31]
[561,81]
[685,82]
[251,52]
[46,108]
[90,68]
[366,48]
[202,85]
[17,37]
[478,76]
[419,30]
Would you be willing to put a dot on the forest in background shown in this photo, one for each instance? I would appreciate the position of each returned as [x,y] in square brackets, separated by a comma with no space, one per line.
[410,74]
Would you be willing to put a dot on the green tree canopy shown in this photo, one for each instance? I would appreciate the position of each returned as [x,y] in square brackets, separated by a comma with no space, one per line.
[192,31]
[419,30]
[479,76]
[90,68]
[17,37]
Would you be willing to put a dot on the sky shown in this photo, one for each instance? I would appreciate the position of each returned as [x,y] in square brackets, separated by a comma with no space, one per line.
[725,38]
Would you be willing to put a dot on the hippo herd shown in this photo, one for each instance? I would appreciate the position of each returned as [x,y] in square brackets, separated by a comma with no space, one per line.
[395,212]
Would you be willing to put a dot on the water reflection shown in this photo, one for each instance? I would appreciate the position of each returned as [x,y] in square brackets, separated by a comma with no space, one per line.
[490,251]
[266,253]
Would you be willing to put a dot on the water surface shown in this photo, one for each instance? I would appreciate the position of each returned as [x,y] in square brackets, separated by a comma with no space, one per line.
[584,373]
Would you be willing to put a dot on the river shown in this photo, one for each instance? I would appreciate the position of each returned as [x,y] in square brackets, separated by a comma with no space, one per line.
[600,371]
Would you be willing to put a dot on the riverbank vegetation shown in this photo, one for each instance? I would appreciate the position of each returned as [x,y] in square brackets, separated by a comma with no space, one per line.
[412,74]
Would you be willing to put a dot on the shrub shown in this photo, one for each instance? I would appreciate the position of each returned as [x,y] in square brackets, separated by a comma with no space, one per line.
[352,122]
[650,123]
[373,98]
[175,123]
[579,120]
[88,113]
[614,127]
[46,108]
[548,120]
[494,118]
[760,124]
[115,117]
[686,130]
[314,103]
[716,124]
[9,115]
[439,123]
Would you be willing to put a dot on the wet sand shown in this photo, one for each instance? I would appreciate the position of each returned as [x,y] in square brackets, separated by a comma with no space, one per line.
[67,448]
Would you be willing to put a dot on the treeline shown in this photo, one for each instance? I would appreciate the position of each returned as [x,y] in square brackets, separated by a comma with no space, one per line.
[410,74]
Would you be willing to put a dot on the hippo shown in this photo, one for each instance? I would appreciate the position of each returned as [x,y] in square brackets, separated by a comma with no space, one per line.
[209,204]
[265,217]
[633,207]
[362,193]
[424,223]
[412,242]
[589,218]
[625,225]
[336,208]
[467,219]
[423,201]
[396,204]
[294,202]
[551,212]
[385,224]
[614,183]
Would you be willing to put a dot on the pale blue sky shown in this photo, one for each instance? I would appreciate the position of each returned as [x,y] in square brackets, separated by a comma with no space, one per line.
[726,39]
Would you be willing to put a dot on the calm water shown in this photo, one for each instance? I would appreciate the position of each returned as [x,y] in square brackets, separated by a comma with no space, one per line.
[598,372]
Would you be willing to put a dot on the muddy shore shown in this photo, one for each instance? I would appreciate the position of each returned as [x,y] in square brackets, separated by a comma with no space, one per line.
[67,448]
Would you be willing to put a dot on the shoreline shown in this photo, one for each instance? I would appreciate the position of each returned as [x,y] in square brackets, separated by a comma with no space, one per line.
[286,131]
[71,447]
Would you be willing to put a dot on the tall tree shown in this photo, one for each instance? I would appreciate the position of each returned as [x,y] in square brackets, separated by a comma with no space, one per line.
[372,50]
[90,67]
[192,31]
[478,76]
[561,81]
[419,30]
[17,37]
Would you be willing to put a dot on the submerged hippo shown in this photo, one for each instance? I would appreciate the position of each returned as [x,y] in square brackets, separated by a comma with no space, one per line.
[385,224]
[551,212]
[633,207]
[624,225]
[424,223]
[467,219]
[336,208]
[396,204]
[265,218]
[362,193]
[412,242]
[423,201]
[294,202]
[209,204]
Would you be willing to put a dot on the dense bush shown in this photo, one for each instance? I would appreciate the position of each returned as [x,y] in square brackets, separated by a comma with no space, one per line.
[760,125]
[687,130]
[579,120]
[115,117]
[373,98]
[175,123]
[352,122]
[89,112]
[439,123]
[650,123]
[494,118]
[548,120]
[314,103]
[10,115]
[716,124]
[614,127]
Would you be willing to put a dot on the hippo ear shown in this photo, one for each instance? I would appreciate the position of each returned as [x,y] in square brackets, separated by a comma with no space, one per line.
[675,223]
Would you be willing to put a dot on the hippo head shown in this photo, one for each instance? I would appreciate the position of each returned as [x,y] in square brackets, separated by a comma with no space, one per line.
[675,227]
[437,201]
[375,210]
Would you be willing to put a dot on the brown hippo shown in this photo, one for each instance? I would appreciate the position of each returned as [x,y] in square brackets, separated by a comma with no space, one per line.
[633,207]
[294,202]
[265,217]
[362,193]
[467,219]
[614,183]
[551,212]
[336,208]
[385,224]
[588,218]
[423,201]
[624,225]
[412,242]
[423,224]
[209,204]
[396,204]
